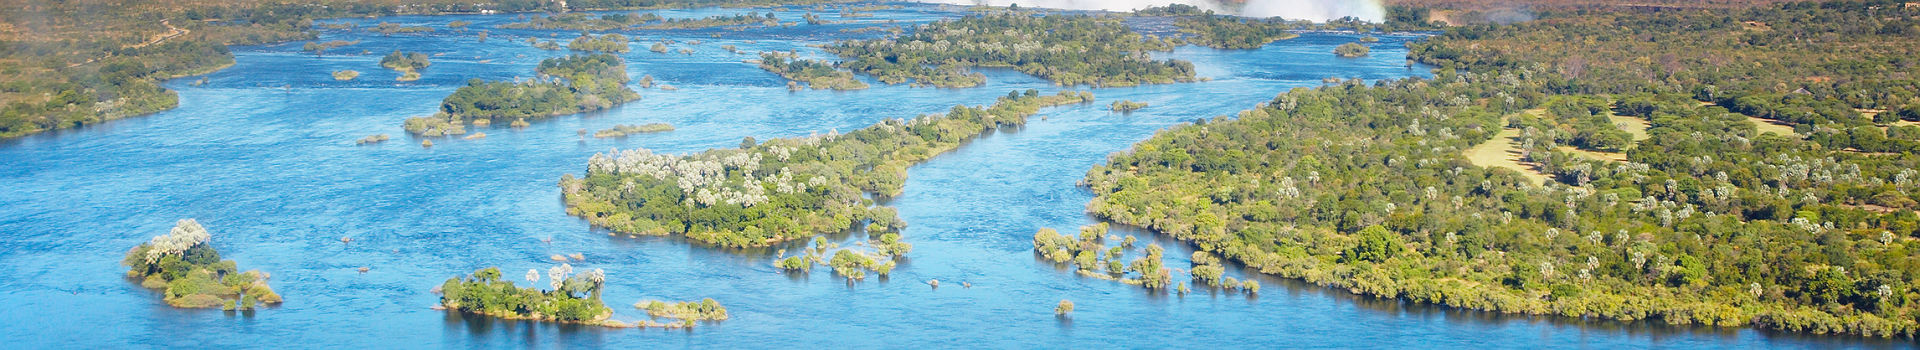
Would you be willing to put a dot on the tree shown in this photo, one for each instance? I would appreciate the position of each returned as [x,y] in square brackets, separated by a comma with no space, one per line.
[1376,245]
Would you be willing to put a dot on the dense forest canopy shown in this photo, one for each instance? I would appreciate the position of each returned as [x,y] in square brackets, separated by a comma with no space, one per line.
[1706,220]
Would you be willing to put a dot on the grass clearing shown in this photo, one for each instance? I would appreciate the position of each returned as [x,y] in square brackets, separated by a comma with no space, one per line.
[1503,151]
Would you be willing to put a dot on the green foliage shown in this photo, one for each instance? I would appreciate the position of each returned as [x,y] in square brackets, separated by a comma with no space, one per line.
[1066,49]
[1375,245]
[1125,106]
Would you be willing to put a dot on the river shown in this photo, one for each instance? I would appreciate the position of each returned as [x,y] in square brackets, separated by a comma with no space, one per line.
[263,154]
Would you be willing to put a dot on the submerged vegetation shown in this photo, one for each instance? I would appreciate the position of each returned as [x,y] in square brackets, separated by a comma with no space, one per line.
[1092,258]
[1705,221]
[1066,49]
[570,298]
[191,274]
[782,189]
[567,85]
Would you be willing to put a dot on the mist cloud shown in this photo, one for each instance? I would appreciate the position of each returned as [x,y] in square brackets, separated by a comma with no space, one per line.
[1313,10]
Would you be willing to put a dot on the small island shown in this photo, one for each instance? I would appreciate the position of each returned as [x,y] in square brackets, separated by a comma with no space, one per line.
[785,189]
[1101,51]
[566,85]
[605,43]
[624,130]
[1232,32]
[572,298]
[190,271]
[385,28]
[1126,106]
[345,75]
[1350,50]
[689,311]
[372,139]
[408,63]
[817,74]
[319,47]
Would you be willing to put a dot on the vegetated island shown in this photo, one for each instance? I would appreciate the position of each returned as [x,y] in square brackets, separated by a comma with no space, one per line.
[817,74]
[1350,50]
[572,84]
[318,47]
[1066,49]
[1126,106]
[627,21]
[604,43]
[191,274]
[385,28]
[1234,32]
[686,311]
[345,75]
[624,130]
[1706,221]
[782,189]
[571,298]
[407,63]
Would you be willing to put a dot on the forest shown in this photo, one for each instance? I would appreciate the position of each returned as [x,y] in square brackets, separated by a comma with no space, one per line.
[1707,220]
[764,193]
[1066,49]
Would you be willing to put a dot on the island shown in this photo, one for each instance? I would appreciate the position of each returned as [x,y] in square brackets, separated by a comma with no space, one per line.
[570,299]
[604,43]
[345,75]
[1232,32]
[1350,50]
[783,189]
[191,274]
[1065,49]
[688,311]
[817,74]
[567,85]
[407,63]
[1126,106]
[623,130]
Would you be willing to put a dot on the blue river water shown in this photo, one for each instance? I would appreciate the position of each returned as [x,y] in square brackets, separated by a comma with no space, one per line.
[263,154]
